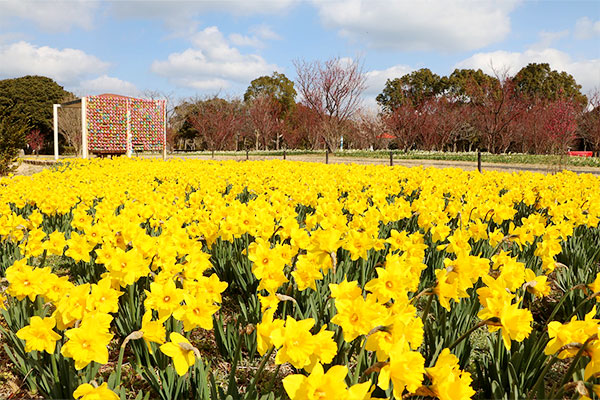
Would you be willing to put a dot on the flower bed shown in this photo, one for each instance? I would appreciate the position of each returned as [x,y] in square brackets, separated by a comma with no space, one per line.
[196,279]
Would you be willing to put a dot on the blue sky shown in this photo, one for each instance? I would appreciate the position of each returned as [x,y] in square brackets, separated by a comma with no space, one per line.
[198,48]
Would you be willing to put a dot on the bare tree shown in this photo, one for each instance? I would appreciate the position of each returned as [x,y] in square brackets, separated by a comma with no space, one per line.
[589,122]
[264,114]
[496,108]
[218,122]
[302,128]
[333,91]
[404,123]
[69,126]
[370,131]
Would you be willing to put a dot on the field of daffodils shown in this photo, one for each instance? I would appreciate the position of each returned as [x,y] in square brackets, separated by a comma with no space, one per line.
[145,279]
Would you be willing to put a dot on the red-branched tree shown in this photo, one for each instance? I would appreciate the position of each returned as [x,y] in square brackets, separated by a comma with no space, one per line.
[35,140]
[332,90]
[440,120]
[404,123]
[302,129]
[495,107]
[264,118]
[218,123]
[560,125]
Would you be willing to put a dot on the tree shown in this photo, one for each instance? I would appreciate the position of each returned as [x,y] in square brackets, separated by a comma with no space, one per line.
[301,130]
[403,123]
[264,114]
[414,88]
[560,125]
[441,123]
[218,122]
[539,80]
[332,90]
[180,122]
[456,85]
[32,98]
[70,127]
[589,122]
[12,137]
[35,140]
[370,131]
[277,86]
[494,108]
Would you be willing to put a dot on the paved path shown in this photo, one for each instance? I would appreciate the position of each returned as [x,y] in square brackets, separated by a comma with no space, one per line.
[466,165]
[30,166]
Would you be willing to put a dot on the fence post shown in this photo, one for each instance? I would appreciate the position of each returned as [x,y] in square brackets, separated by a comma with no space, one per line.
[246,154]
[478,160]
[391,159]
[213,154]
[327,156]
[284,154]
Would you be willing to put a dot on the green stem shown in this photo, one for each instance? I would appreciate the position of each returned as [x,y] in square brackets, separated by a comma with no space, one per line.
[557,307]
[261,366]
[54,368]
[120,362]
[361,356]
[540,379]
[580,305]
[236,359]
[43,262]
[427,306]
[270,387]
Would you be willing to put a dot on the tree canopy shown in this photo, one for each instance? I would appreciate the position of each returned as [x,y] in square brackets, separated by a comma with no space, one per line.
[12,136]
[533,81]
[277,86]
[461,81]
[30,99]
[539,80]
[415,88]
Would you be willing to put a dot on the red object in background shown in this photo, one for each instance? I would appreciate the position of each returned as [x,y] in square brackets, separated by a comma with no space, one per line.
[581,153]
[35,140]
[386,136]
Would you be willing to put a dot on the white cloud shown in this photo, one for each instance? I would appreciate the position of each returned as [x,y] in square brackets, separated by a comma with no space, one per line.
[212,64]
[264,32]
[259,33]
[181,8]
[180,15]
[50,15]
[67,66]
[585,72]
[585,28]
[547,38]
[419,25]
[107,84]
[376,79]
[242,40]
